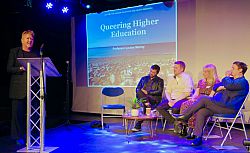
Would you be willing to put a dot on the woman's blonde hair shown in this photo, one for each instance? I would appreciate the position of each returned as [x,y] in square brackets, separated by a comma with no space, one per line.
[212,72]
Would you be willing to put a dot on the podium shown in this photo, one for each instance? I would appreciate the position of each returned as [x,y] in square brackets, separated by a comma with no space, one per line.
[37,70]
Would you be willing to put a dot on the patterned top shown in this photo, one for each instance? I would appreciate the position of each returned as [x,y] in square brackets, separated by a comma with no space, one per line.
[205,87]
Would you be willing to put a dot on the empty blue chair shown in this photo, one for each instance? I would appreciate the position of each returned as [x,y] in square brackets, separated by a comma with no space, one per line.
[112,92]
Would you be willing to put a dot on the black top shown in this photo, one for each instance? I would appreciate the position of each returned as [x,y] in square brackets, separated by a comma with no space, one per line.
[18,81]
[154,87]
[28,54]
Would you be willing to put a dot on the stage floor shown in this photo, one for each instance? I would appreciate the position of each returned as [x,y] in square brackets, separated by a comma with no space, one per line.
[81,138]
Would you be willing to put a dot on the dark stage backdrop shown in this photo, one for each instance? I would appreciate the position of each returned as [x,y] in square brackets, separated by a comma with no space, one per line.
[52,30]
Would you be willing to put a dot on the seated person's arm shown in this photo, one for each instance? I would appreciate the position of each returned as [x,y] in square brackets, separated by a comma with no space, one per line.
[196,94]
[167,94]
[183,96]
[218,87]
[140,85]
[233,84]
[187,91]
[212,93]
[159,89]
[139,92]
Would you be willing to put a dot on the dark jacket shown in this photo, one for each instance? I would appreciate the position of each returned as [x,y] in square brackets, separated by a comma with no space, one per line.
[235,93]
[18,80]
[156,88]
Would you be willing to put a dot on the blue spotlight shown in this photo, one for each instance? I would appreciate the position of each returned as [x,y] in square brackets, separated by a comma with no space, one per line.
[49,6]
[88,6]
[65,9]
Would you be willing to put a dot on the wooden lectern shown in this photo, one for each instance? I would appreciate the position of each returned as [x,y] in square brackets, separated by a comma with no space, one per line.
[37,70]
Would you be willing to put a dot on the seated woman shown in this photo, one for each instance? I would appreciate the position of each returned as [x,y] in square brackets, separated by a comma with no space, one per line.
[204,87]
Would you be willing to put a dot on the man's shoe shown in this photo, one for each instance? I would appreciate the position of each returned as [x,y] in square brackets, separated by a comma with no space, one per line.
[135,129]
[183,132]
[191,137]
[177,127]
[197,141]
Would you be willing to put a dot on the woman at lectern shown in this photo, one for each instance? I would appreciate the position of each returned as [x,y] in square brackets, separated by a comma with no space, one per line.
[18,83]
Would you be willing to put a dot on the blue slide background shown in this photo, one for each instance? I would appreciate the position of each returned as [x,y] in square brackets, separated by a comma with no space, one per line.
[164,31]
[123,60]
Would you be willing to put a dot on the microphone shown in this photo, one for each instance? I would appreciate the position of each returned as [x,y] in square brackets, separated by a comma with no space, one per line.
[67,62]
[41,49]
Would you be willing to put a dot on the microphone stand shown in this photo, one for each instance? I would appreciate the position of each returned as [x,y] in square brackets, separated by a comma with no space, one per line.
[66,102]
[42,94]
[67,105]
[43,97]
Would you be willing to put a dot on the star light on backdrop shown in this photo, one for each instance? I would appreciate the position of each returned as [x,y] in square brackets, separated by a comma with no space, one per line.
[78,7]
[65,9]
[49,5]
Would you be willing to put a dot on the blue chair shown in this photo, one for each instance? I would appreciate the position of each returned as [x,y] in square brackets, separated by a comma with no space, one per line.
[112,92]
[218,118]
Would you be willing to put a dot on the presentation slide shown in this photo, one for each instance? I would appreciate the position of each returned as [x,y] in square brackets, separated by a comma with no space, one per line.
[123,44]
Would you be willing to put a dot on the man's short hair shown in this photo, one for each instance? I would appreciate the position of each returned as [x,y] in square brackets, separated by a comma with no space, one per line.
[182,64]
[28,32]
[241,65]
[156,67]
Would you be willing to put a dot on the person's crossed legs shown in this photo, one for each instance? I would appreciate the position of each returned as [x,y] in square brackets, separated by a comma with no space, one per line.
[204,107]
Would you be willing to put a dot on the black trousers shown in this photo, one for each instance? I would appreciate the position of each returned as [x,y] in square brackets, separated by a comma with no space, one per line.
[163,108]
[18,118]
[204,107]
[152,100]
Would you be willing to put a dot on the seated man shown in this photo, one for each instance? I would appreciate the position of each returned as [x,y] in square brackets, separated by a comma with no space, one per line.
[150,89]
[178,89]
[232,91]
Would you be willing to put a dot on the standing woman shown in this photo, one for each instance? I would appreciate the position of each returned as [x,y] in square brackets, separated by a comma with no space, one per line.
[204,87]
[18,85]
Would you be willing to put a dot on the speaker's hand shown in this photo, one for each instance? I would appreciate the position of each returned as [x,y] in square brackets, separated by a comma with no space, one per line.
[22,68]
